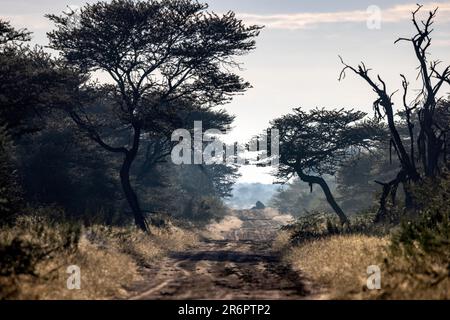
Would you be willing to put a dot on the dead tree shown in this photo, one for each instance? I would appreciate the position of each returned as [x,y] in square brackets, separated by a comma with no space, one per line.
[426,150]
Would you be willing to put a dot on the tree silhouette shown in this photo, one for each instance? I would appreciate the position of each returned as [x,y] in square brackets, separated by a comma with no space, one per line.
[320,141]
[32,83]
[424,154]
[8,34]
[156,54]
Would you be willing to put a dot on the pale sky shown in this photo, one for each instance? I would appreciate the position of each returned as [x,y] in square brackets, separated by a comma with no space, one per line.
[296,60]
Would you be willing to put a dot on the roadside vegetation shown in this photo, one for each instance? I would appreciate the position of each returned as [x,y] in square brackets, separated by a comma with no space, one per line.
[37,250]
[413,256]
[405,232]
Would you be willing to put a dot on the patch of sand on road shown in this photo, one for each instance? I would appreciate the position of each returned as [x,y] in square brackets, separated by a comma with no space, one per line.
[284,219]
[217,230]
[247,224]
[274,214]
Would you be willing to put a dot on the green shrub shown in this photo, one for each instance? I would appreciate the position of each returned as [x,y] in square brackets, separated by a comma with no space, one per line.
[429,230]
[418,263]
[321,225]
[203,210]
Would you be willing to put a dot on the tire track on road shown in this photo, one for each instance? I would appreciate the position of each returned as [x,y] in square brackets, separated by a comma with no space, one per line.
[243,266]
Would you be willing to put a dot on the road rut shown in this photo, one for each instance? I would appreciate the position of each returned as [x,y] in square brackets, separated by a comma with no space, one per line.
[242,266]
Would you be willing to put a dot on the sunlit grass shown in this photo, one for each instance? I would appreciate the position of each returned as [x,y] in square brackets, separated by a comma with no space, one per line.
[109,258]
[339,263]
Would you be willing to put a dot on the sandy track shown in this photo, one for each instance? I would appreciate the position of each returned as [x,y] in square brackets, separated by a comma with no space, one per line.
[242,266]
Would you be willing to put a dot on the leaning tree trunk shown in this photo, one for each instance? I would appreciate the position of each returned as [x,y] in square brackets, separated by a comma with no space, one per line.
[390,190]
[130,194]
[326,190]
[130,156]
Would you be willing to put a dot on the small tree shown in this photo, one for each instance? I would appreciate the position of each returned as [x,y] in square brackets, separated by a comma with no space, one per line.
[156,53]
[318,142]
[422,154]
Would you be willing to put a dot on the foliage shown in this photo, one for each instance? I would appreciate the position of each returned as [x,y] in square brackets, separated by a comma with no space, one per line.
[32,84]
[161,57]
[10,191]
[320,225]
[187,192]
[296,198]
[429,233]
[414,257]
[318,142]
[357,189]
[424,153]
[9,35]
[417,262]
[59,166]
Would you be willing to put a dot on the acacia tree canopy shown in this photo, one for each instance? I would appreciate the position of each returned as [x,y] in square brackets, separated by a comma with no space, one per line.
[164,49]
[318,142]
[157,53]
[321,140]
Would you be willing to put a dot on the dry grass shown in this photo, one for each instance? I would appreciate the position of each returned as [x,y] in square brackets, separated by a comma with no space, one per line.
[104,274]
[282,242]
[339,264]
[419,277]
[109,258]
[414,257]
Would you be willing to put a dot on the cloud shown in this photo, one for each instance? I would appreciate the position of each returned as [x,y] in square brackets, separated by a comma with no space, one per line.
[307,20]
[290,21]
[30,21]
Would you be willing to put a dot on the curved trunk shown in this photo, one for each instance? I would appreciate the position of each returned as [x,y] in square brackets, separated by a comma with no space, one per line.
[382,214]
[326,190]
[130,195]
[390,189]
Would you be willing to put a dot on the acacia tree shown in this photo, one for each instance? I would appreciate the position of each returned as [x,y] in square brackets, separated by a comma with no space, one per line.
[420,155]
[156,53]
[316,143]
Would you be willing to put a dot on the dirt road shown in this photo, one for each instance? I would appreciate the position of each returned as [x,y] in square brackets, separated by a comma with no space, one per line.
[241,266]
